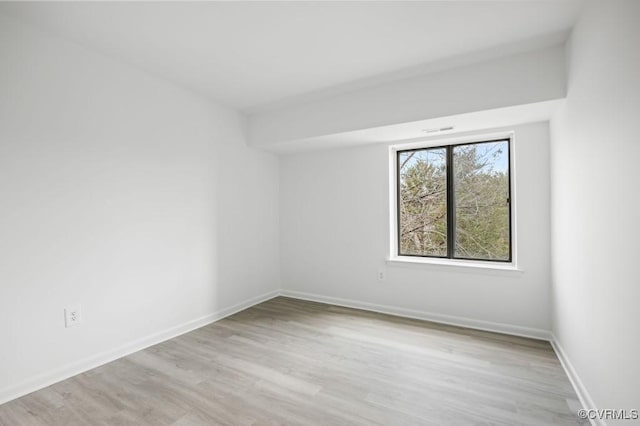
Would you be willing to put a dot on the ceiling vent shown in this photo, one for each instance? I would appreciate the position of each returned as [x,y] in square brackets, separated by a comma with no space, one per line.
[438,129]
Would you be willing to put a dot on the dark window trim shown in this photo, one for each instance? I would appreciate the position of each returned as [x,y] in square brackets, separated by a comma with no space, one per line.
[451,201]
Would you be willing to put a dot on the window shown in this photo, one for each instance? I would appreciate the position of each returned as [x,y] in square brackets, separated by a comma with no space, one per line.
[454,201]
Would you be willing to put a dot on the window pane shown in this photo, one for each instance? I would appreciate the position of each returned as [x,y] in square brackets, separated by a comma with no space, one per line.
[481,194]
[423,202]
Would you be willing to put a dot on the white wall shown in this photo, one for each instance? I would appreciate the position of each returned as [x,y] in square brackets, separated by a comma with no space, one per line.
[595,210]
[122,193]
[517,79]
[335,238]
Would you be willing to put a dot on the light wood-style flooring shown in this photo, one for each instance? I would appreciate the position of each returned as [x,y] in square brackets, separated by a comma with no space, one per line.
[294,362]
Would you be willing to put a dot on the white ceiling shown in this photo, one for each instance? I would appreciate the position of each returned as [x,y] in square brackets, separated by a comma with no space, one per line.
[422,131]
[251,54]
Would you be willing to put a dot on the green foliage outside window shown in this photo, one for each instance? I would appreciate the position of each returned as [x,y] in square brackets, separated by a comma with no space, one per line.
[479,200]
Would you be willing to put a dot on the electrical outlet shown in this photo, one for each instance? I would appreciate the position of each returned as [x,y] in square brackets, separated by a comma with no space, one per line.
[72,316]
[381,275]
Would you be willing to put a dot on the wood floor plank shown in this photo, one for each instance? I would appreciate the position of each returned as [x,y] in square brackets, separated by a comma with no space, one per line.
[295,362]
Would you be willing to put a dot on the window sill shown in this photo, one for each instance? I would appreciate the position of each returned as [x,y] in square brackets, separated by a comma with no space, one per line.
[453,263]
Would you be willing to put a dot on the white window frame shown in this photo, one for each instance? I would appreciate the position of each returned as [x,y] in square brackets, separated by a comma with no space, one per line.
[395,259]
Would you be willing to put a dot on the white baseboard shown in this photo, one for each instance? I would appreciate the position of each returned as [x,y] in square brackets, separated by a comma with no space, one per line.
[42,381]
[69,370]
[578,386]
[496,327]
[581,391]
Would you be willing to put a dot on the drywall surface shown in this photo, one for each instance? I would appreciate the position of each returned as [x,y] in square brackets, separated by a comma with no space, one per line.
[595,210]
[335,239]
[518,79]
[123,194]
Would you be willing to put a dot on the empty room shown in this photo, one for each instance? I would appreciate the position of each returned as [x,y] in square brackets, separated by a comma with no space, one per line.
[319,213]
